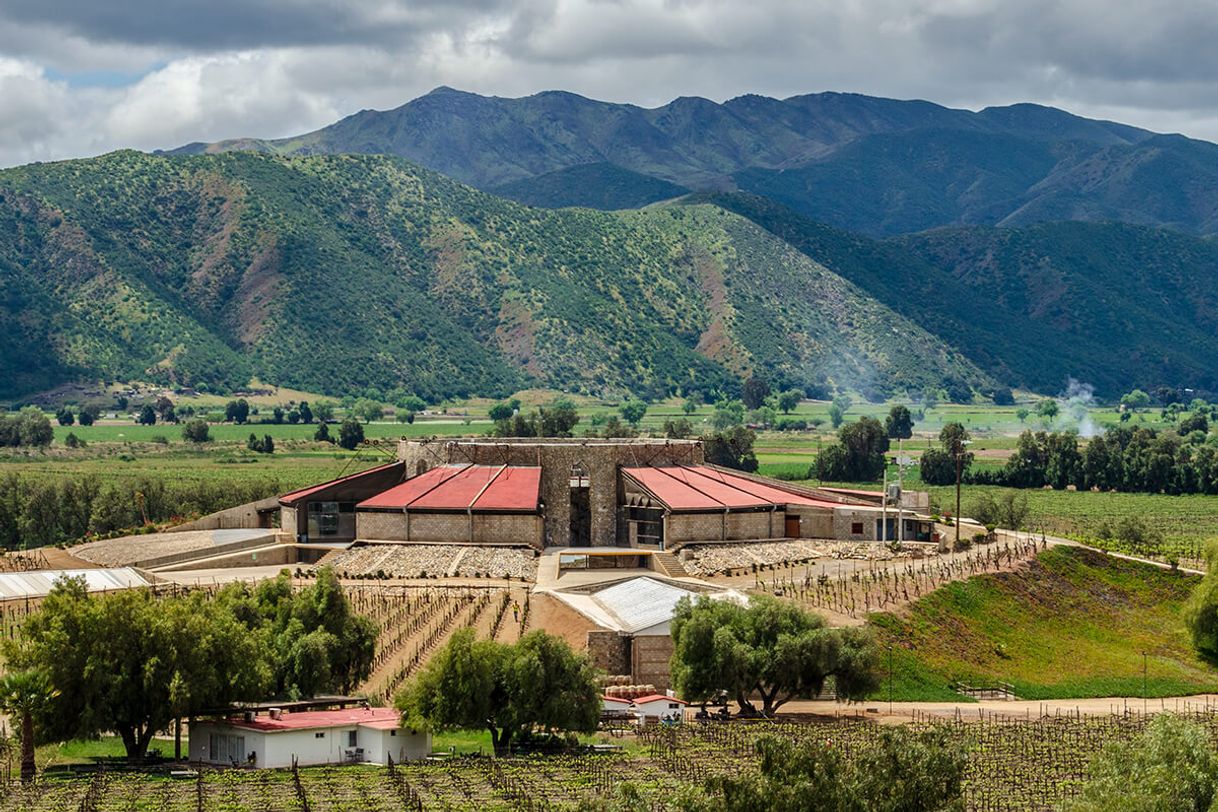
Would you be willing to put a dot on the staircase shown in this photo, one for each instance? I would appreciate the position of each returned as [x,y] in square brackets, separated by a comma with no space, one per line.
[668,564]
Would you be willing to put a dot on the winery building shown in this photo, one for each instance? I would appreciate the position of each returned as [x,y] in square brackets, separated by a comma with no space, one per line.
[637,493]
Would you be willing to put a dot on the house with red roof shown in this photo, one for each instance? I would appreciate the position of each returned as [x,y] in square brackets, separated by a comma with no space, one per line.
[278,737]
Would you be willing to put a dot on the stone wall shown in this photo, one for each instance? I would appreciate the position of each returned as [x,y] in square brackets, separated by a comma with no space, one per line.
[380,526]
[599,459]
[844,519]
[609,651]
[814,522]
[488,528]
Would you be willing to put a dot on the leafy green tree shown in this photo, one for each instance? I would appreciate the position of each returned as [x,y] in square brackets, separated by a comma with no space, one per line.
[679,429]
[368,409]
[31,427]
[731,448]
[508,689]
[89,414]
[1135,400]
[728,413]
[1201,610]
[130,663]
[350,433]
[501,411]
[305,412]
[899,423]
[770,648]
[789,399]
[405,415]
[557,419]
[196,431]
[165,410]
[277,415]
[1003,396]
[633,411]
[147,415]
[65,417]
[858,456]
[1171,765]
[322,435]
[1022,413]
[754,392]
[237,411]
[901,770]
[1196,421]
[690,405]
[1047,409]
[25,696]
[323,410]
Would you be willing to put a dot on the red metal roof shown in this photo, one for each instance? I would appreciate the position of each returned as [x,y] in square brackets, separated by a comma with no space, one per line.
[297,495]
[643,700]
[464,487]
[373,717]
[700,487]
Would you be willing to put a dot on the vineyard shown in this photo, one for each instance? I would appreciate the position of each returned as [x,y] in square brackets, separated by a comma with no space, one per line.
[1013,764]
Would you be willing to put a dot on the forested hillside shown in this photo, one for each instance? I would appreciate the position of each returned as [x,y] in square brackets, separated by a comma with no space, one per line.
[1114,305]
[871,165]
[334,273]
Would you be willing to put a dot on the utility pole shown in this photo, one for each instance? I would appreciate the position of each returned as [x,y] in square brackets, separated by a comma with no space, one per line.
[884,506]
[959,449]
[1144,692]
[890,679]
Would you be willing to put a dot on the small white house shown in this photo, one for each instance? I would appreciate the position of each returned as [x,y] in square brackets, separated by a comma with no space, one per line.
[658,706]
[312,737]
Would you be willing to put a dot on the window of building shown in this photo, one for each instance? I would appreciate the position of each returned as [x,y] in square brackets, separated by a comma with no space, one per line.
[323,518]
[856,528]
[393,733]
[351,739]
[321,735]
[226,749]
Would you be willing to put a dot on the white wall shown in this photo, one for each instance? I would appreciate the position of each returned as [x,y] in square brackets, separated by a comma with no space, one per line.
[277,749]
[402,744]
[305,745]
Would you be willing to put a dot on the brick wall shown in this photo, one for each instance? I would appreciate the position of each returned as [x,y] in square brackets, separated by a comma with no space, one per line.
[685,527]
[814,523]
[651,655]
[375,525]
[844,520]
[746,526]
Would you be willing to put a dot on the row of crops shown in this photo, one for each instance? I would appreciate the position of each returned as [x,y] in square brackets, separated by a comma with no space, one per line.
[1013,765]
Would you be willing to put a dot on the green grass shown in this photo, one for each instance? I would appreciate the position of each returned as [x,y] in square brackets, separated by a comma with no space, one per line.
[85,751]
[1072,625]
[123,432]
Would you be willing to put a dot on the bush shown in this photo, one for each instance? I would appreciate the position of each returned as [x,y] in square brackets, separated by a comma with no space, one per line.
[196,431]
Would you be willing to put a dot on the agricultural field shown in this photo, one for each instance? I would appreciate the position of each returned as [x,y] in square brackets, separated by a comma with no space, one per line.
[1011,764]
[1071,623]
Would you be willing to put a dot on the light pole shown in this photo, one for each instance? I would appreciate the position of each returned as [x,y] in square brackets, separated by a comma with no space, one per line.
[890,679]
[1144,691]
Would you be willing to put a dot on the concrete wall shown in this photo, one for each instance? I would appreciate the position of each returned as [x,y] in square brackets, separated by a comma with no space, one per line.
[814,522]
[402,744]
[599,458]
[488,528]
[312,746]
[845,517]
[249,515]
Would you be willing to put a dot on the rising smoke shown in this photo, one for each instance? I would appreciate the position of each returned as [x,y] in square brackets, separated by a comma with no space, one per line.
[1074,408]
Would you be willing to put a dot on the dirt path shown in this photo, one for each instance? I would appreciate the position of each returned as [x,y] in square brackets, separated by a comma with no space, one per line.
[991,709]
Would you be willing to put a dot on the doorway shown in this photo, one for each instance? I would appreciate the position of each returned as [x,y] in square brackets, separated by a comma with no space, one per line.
[791,527]
[581,507]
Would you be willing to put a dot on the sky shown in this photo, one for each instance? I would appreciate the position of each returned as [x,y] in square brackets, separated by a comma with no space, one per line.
[83,77]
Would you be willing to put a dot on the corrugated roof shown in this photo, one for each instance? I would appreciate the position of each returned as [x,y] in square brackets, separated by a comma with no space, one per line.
[640,603]
[297,495]
[700,487]
[369,717]
[37,583]
[464,487]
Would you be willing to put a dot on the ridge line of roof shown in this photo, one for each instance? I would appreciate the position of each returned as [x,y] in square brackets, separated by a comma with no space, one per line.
[691,486]
[483,490]
[296,494]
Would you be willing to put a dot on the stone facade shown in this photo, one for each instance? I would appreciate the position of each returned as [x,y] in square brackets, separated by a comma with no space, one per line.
[650,656]
[609,651]
[683,528]
[814,522]
[596,461]
[847,520]
[480,528]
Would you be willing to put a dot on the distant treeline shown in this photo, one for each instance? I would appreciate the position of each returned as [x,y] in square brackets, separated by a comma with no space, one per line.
[1123,459]
[37,511]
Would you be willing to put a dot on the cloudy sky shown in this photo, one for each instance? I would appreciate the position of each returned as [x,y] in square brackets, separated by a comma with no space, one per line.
[81,77]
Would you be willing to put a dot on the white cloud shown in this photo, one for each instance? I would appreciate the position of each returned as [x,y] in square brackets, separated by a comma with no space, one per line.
[270,68]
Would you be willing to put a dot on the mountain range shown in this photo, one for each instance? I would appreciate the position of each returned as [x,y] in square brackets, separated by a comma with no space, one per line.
[825,241]
[870,165]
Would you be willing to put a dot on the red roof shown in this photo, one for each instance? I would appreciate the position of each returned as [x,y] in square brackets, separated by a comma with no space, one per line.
[347,717]
[296,496]
[464,487]
[700,487]
[643,700]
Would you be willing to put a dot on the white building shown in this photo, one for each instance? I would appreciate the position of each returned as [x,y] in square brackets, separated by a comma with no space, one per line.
[658,706]
[311,737]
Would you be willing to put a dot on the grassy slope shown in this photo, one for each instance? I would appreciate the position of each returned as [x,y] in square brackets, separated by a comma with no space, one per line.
[1073,624]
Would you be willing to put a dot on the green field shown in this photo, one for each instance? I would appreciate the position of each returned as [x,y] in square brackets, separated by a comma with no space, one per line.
[1074,624]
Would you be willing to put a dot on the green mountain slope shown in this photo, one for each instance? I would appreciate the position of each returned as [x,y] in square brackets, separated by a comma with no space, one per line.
[1114,305]
[333,273]
[877,166]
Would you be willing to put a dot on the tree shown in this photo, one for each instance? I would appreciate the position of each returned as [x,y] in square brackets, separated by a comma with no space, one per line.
[1022,413]
[305,412]
[899,423]
[130,662]
[65,417]
[28,427]
[690,405]
[323,411]
[1201,610]
[1003,396]
[412,403]
[679,429]
[25,696]
[731,448]
[277,415]
[558,419]
[1171,765]
[322,435]
[1047,409]
[508,689]
[1135,400]
[770,648]
[756,389]
[1196,421]
[237,411]
[147,415]
[89,414]
[728,413]
[405,416]
[501,411]
[368,409]
[164,409]
[789,399]
[901,770]
[196,431]
[350,433]
[633,411]
[858,455]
